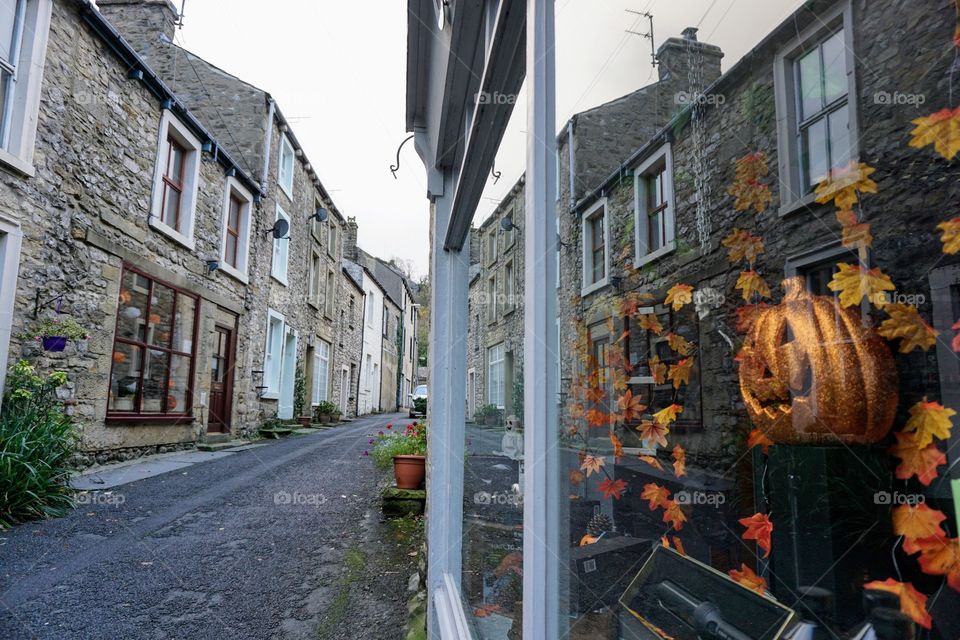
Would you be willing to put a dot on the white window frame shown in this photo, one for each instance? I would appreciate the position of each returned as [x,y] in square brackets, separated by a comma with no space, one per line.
[509,286]
[598,208]
[329,294]
[499,350]
[286,165]
[490,247]
[321,372]
[277,271]
[317,277]
[509,237]
[643,255]
[332,243]
[11,237]
[16,150]
[788,143]
[170,126]
[492,299]
[273,355]
[372,299]
[240,272]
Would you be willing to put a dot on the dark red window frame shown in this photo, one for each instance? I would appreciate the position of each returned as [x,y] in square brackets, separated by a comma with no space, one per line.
[173,183]
[235,207]
[166,417]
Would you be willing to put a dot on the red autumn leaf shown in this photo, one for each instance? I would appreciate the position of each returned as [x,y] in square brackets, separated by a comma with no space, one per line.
[653,432]
[759,438]
[912,602]
[679,461]
[674,515]
[916,460]
[613,488]
[941,557]
[759,528]
[956,338]
[749,579]
[597,418]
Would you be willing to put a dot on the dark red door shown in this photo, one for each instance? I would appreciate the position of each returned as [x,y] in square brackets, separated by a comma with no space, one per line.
[221,380]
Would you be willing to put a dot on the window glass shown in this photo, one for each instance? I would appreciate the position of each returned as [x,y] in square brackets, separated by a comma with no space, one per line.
[835,68]
[161,316]
[839,124]
[8,15]
[285,176]
[281,247]
[811,84]
[815,156]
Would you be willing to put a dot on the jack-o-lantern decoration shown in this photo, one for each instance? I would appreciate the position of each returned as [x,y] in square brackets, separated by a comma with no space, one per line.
[810,372]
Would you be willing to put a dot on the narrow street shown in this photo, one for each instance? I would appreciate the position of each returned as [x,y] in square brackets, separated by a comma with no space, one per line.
[277,541]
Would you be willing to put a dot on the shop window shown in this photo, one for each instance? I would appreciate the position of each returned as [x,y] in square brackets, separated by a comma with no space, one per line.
[154,349]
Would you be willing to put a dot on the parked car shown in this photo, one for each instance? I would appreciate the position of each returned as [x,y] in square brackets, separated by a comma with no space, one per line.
[418,406]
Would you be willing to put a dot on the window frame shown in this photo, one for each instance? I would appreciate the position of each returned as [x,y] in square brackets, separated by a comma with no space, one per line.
[332,244]
[172,128]
[490,247]
[329,293]
[321,374]
[272,387]
[137,414]
[642,254]
[232,189]
[599,208]
[275,271]
[509,286]
[502,363]
[315,273]
[792,192]
[285,174]
[492,298]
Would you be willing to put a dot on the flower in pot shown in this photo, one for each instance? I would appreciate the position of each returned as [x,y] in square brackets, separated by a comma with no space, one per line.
[324,411]
[406,450]
[53,333]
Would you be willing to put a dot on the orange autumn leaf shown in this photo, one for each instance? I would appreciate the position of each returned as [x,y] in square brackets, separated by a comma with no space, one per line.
[678,545]
[759,438]
[679,295]
[617,446]
[843,185]
[588,539]
[679,344]
[667,415]
[612,488]
[657,495]
[855,233]
[597,418]
[906,322]
[747,187]
[929,420]
[916,460]
[941,129]
[674,515]
[653,462]
[629,306]
[742,245]
[912,602]
[576,477]
[592,464]
[658,370]
[956,338]
[680,373]
[854,283]
[621,381]
[951,236]
[747,314]
[942,558]
[918,521]
[596,395]
[751,283]
[746,577]
[654,432]
[759,528]
[650,322]
[485,610]
[631,407]
[679,461]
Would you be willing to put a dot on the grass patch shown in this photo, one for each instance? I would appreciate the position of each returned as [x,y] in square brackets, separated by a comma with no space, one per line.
[356,562]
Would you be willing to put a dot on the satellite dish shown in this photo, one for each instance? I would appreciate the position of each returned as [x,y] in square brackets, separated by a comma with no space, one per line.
[320,215]
[280,229]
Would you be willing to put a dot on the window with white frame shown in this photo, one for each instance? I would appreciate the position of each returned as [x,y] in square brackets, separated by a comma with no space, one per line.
[596,257]
[333,240]
[273,353]
[281,251]
[175,181]
[330,293]
[654,210]
[815,90]
[496,381]
[492,299]
[235,240]
[492,247]
[285,170]
[371,299]
[509,285]
[321,373]
[316,277]
[509,237]
[24,26]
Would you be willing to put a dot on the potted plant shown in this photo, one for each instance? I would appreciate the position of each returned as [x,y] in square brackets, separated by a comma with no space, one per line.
[406,451]
[324,410]
[53,333]
[489,415]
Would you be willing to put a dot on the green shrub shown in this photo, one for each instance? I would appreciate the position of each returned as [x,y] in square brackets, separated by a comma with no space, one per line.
[488,410]
[325,407]
[411,442]
[420,405]
[37,440]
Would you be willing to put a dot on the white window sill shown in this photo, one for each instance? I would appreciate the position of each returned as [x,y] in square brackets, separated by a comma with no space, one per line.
[171,233]
[270,395]
[807,203]
[666,249]
[286,192]
[10,161]
[596,286]
[282,281]
[234,273]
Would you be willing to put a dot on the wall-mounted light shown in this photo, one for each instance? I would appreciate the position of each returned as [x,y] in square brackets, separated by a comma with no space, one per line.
[212,265]
[320,215]
[506,223]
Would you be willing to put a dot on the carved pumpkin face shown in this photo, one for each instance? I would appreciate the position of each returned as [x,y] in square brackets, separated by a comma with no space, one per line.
[810,372]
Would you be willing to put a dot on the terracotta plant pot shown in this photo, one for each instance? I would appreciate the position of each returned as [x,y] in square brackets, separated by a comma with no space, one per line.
[54,343]
[306,421]
[409,471]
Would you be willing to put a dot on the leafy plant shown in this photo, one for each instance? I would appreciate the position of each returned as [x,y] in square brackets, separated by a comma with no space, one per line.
[411,442]
[37,440]
[488,411]
[57,326]
[299,392]
[420,405]
[326,408]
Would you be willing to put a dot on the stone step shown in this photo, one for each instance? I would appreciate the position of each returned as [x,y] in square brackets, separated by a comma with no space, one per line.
[216,438]
[219,446]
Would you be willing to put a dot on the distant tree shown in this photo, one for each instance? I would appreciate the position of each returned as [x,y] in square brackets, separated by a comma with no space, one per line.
[423,328]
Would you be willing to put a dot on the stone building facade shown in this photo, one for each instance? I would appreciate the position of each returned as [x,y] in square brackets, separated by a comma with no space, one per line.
[349,341]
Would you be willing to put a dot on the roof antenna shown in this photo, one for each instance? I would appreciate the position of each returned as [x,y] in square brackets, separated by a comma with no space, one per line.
[183,6]
[648,35]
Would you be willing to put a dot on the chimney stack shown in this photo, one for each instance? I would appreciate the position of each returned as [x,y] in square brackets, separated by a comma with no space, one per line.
[676,57]
[141,22]
[350,251]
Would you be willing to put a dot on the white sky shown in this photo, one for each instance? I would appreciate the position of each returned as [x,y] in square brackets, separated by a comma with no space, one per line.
[337,70]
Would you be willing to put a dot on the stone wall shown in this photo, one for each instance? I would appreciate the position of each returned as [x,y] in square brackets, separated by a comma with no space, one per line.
[348,344]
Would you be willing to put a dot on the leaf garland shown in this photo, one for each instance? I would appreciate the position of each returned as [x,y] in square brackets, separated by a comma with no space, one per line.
[905,322]
[854,283]
[844,185]
[748,187]
[941,129]
[951,236]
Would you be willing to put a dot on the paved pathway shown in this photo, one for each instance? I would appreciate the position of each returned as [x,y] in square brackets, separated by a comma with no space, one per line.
[279,541]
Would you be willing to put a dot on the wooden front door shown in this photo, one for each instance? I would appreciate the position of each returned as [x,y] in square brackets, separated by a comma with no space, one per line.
[221,380]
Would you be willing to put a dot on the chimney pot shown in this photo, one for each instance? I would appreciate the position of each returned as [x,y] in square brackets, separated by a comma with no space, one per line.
[690,33]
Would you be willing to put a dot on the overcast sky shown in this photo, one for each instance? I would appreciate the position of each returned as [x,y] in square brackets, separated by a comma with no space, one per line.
[337,71]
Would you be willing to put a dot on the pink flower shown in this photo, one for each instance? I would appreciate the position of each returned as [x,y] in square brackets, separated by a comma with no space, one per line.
[389,426]
[371,441]
[366,453]
[380,433]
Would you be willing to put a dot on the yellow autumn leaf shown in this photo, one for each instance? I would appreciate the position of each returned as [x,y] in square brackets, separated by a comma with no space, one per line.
[592,464]
[951,236]
[844,185]
[669,414]
[751,283]
[658,370]
[649,322]
[855,233]
[905,322]
[679,344]
[743,245]
[929,420]
[941,129]
[680,373]
[679,295]
[854,282]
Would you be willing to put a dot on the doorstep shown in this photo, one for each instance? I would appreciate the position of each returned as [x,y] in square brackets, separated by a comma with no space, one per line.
[403,502]
[220,445]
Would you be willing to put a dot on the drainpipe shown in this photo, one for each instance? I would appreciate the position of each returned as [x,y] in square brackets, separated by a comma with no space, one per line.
[573,159]
[267,143]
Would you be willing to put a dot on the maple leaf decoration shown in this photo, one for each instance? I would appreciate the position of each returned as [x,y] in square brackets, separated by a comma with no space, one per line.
[746,577]
[576,477]
[667,415]
[759,528]
[658,370]
[679,344]
[679,461]
[758,438]
[912,602]
[630,406]
[654,432]
[956,338]
[680,373]
[747,315]
[916,460]
[918,522]
[951,236]
[941,558]
[596,418]
[747,187]
[617,446]
[844,185]
[743,245]
[653,462]
[941,129]
[612,488]
[855,233]
[674,515]
[650,322]
[905,322]
[679,295]
[854,282]
[929,420]
[592,464]
[657,495]
[751,283]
